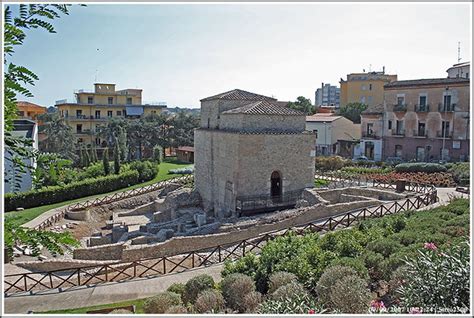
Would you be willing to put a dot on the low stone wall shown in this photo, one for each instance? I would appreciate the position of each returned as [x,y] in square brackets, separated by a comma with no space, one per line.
[184,244]
[334,195]
[56,264]
[83,215]
[100,253]
[143,209]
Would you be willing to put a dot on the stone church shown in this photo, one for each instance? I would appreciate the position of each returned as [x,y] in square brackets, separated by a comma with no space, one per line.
[252,154]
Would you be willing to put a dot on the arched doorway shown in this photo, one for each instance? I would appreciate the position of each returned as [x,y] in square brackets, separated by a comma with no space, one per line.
[276,188]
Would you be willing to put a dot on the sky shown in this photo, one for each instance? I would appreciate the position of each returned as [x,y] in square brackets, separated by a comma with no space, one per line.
[180,54]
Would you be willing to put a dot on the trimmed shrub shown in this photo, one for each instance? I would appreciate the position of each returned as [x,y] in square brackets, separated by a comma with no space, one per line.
[234,289]
[293,288]
[196,285]
[374,263]
[384,246]
[420,167]
[246,265]
[330,163]
[292,304]
[147,170]
[55,194]
[160,303]
[279,279]
[158,154]
[350,295]
[209,301]
[461,172]
[251,301]
[177,288]
[355,263]
[328,279]
[188,170]
[177,309]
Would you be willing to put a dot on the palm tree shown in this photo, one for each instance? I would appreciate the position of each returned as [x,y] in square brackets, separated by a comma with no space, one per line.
[58,136]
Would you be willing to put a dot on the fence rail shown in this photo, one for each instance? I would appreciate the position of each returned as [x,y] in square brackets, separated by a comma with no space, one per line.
[120,271]
[111,198]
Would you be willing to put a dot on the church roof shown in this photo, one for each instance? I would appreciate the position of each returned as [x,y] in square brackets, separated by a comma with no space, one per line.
[238,94]
[264,108]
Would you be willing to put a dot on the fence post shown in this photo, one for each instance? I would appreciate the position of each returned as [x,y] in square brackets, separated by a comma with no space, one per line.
[78,277]
[243,249]
[220,257]
[164,265]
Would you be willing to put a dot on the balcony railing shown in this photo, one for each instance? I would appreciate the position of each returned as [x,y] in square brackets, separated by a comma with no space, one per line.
[419,133]
[84,117]
[444,134]
[400,108]
[398,132]
[84,132]
[446,108]
[366,134]
[422,108]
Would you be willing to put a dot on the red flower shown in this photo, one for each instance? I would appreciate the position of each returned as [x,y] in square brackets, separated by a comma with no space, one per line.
[311,311]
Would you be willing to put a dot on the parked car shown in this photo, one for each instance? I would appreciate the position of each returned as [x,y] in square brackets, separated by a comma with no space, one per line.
[362,159]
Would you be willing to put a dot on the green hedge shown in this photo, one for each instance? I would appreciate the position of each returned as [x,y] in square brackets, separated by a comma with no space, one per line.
[55,194]
[420,167]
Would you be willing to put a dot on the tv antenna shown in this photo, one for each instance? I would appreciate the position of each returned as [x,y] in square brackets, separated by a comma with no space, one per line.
[459,52]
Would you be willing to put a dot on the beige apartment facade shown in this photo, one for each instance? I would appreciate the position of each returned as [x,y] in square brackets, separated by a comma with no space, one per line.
[92,111]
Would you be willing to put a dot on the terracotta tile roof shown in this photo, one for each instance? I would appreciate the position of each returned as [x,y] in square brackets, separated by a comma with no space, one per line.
[374,109]
[28,104]
[429,81]
[264,108]
[238,94]
[186,148]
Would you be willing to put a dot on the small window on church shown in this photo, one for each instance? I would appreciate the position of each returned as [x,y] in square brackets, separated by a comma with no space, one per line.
[208,122]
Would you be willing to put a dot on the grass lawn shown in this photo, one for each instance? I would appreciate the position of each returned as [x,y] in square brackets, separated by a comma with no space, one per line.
[21,217]
[137,302]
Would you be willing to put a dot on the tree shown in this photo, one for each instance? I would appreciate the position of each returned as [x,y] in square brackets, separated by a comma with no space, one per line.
[302,104]
[58,136]
[51,170]
[116,159]
[158,154]
[30,16]
[34,239]
[105,161]
[352,111]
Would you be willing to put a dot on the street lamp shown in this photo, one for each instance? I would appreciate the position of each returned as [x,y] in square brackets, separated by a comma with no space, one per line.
[443,125]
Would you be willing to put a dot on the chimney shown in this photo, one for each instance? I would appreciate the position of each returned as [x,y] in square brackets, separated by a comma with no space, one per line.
[383,70]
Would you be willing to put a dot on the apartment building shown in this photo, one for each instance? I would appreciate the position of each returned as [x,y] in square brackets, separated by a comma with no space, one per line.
[327,95]
[365,88]
[92,110]
[459,70]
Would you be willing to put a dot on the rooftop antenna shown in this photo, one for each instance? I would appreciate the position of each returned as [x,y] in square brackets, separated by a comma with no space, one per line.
[97,69]
[459,52]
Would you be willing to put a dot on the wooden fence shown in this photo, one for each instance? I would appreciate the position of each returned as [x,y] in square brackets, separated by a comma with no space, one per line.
[120,271]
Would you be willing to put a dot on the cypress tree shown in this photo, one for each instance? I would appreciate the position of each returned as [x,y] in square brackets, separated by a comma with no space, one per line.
[105,161]
[87,158]
[116,159]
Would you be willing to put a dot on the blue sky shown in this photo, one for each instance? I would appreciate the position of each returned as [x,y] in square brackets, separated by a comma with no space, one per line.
[183,53]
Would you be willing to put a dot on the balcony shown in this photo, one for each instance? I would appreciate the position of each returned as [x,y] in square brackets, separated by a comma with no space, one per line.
[398,132]
[442,108]
[422,108]
[369,134]
[447,134]
[84,117]
[419,133]
[400,108]
[84,132]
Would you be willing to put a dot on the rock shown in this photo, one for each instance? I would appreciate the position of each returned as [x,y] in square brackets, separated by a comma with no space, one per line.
[64,226]
[200,219]
[42,257]
[20,209]
[27,251]
[169,188]
[181,198]
[164,234]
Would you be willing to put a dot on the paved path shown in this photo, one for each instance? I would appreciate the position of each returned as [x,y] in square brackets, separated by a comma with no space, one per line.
[107,293]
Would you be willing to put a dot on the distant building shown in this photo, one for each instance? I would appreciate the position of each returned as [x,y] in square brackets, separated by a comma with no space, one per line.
[459,70]
[330,132]
[185,154]
[27,110]
[28,129]
[327,95]
[365,88]
[92,110]
[371,127]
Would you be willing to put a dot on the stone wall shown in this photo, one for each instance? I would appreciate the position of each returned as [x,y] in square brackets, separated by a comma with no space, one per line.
[56,264]
[262,122]
[102,253]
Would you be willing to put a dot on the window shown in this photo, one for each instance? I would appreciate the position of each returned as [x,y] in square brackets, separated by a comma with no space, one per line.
[97,128]
[90,100]
[78,113]
[79,128]
[97,114]
[362,99]
[370,87]
[421,129]
[389,124]
[315,131]
[153,112]
[369,100]
[399,128]
[445,129]
[110,100]
[400,100]
[420,153]
[447,101]
[467,74]
[21,113]
[208,123]
[97,141]
[119,113]
[109,113]
[422,101]
[398,151]
[129,101]
[370,129]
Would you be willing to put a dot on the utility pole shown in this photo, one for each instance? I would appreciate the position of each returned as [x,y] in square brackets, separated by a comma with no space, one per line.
[459,52]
